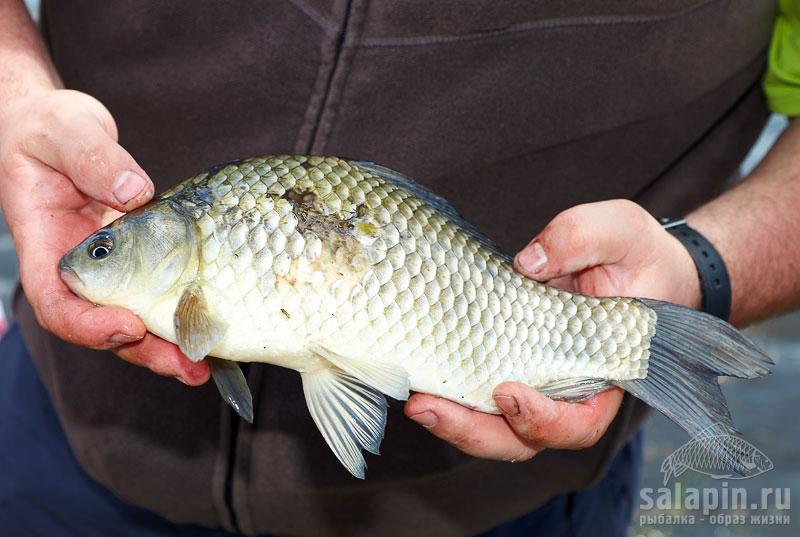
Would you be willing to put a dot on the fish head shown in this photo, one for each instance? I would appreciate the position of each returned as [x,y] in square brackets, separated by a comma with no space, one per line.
[761,463]
[133,261]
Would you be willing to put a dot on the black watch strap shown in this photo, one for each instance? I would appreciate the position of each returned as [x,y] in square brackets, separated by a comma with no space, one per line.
[714,281]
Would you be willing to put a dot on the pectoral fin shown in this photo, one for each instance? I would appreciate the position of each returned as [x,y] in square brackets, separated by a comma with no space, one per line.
[385,377]
[197,330]
[350,414]
[232,385]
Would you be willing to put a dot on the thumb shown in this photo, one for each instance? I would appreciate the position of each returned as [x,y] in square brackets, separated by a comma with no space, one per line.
[583,236]
[84,148]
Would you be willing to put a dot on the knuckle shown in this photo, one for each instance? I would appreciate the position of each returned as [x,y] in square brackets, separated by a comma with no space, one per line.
[631,212]
[533,431]
[90,161]
[537,430]
[462,439]
[569,227]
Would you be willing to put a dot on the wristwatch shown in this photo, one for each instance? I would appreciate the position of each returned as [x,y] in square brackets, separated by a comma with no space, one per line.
[715,284]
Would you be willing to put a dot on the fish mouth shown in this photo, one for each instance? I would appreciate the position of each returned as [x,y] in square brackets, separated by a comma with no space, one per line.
[70,278]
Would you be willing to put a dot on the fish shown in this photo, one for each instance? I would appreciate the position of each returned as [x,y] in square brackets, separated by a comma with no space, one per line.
[370,285]
[699,455]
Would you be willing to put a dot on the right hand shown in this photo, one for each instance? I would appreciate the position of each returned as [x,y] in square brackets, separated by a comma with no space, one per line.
[62,176]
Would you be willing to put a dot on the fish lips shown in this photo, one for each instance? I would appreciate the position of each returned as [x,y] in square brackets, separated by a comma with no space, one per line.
[70,277]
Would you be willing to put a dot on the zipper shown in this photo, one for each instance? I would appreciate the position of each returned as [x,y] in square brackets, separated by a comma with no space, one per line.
[326,93]
[330,65]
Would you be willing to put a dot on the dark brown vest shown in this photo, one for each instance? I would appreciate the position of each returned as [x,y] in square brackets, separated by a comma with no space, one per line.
[511,110]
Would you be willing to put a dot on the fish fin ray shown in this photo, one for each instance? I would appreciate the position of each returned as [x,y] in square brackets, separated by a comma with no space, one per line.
[387,378]
[679,469]
[232,386]
[350,415]
[574,389]
[668,469]
[435,201]
[197,330]
[713,430]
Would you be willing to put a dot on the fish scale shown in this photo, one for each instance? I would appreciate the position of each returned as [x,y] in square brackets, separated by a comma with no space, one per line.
[369,285]
[452,271]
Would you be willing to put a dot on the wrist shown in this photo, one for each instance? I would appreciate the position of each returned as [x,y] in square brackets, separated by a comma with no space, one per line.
[710,271]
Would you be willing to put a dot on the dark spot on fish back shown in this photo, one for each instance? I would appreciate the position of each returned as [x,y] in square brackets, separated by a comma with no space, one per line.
[299,197]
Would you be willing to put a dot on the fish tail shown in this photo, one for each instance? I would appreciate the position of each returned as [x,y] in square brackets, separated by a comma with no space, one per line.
[688,352]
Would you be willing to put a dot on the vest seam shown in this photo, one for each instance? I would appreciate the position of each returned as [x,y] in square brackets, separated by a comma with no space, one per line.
[328,25]
[544,24]
[529,151]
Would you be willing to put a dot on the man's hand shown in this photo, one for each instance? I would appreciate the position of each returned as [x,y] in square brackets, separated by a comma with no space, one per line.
[62,176]
[611,248]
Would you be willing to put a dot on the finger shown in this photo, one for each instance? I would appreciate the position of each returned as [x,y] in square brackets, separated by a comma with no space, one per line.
[82,323]
[40,244]
[567,282]
[475,433]
[166,359]
[84,148]
[70,318]
[556,424]
[584,236]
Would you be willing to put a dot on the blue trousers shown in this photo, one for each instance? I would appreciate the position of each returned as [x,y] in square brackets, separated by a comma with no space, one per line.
[44,491]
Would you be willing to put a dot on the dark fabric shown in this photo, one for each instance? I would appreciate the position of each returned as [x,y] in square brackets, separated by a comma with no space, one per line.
[513,113]
[602,510]
[45,492]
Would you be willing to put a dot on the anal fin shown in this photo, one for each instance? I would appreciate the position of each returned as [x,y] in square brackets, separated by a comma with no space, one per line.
[574,389]
[350,414]
[232,386]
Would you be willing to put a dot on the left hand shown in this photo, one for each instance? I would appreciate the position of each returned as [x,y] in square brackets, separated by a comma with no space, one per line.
[610,248]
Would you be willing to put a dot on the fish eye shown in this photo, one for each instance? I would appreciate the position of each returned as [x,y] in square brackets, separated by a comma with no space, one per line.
[100,247]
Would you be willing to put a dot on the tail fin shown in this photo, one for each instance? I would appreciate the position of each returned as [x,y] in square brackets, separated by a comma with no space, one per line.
[688,352]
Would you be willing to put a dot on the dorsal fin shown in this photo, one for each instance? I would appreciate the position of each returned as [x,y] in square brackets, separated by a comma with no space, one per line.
[437,202]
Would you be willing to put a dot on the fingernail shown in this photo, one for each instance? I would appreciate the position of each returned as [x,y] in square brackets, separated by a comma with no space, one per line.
[508,404]
[181,380]
[532,259]
[427,419]
[120,338]
[127,186]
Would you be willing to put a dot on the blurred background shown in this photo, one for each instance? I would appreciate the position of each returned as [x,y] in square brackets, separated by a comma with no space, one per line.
[762,409]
